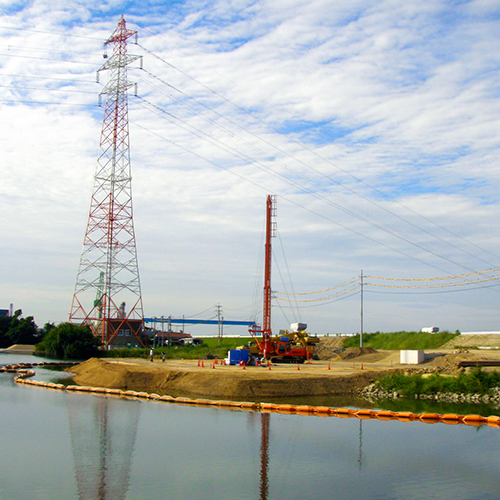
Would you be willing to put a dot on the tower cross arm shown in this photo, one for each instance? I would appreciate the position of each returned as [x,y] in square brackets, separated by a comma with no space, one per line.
[119,62]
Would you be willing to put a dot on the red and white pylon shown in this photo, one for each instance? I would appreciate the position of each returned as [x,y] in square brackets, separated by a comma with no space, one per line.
[108,292]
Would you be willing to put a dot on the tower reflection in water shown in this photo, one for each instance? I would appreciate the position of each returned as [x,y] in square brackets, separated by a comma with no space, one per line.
[103,432]
[264,455]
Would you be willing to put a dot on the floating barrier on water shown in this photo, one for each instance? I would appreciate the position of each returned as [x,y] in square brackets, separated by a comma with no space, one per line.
[343,412]
[304,409]
[23,373]
[385,415]
[364,414]
[405,416]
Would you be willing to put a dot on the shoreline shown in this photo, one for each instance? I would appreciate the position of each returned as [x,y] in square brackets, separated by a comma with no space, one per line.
[24,375]
[185,377]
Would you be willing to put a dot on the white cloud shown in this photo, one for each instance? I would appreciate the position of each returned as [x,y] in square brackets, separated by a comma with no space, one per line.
[398,97]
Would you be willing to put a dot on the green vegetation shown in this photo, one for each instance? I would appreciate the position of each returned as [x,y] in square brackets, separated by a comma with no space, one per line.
[209,349]
[475,382]
[68,341]
[18,330]
[401,340]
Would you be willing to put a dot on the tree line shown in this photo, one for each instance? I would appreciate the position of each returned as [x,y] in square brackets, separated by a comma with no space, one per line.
[63,341]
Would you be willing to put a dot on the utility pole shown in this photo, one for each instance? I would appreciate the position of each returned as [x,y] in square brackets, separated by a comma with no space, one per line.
[108,263]
[361,330]
[220,321]
[169,332]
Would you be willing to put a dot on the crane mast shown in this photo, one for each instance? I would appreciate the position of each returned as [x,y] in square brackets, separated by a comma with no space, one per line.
[294,347]
[266,343]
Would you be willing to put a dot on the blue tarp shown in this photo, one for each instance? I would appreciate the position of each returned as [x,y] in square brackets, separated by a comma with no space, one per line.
[237,355]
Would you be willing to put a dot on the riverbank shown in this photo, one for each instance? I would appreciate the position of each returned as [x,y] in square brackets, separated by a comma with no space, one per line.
[209,378]
[19,349]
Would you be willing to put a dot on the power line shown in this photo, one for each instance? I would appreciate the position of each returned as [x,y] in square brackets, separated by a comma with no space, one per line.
[291,139]
[289,200]
[50,59]
[24,101]
[242,156]
[27,30]
[63,89]
[428,284]
[47,78]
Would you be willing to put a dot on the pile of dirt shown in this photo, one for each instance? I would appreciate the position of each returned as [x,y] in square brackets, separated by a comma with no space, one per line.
[355,352]
[223,382]
[329,348]
[20,349]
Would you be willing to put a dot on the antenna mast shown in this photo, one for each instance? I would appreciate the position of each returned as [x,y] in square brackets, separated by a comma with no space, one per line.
[108,264]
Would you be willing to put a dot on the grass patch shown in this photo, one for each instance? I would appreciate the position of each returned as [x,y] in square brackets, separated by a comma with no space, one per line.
[209,349]
[475,382]
[401,340]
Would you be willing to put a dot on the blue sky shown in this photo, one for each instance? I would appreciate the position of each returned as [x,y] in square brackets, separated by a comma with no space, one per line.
[376,124]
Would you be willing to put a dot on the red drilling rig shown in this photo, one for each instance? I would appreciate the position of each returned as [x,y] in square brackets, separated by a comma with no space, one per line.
[293,347]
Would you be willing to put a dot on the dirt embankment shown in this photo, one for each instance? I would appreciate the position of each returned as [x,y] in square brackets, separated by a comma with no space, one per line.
[336,373]
[474,341]
[19,349]
[185,378]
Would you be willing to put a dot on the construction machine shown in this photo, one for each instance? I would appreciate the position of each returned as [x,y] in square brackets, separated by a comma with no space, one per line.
[287,347]
[294,346]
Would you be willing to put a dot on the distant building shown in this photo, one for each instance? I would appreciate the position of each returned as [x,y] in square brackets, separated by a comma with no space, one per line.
[127,336]
[4,312]
[172,338]
[430,329]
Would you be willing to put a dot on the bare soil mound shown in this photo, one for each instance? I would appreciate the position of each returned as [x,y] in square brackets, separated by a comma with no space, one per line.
[355,352]
[20,349]
[228,382]
[329,348]
[474,341]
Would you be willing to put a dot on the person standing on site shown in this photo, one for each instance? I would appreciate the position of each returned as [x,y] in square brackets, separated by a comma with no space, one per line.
[151,352]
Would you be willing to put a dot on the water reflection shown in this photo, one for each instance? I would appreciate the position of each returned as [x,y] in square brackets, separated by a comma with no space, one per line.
[264,455]
[104,447]
[103,432]
[360,452]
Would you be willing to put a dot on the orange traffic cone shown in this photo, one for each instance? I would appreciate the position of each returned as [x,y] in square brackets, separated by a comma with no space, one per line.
[298,366]
[328,365]
[244,364]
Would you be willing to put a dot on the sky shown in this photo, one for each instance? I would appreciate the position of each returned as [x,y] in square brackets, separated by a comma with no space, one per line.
[375,124]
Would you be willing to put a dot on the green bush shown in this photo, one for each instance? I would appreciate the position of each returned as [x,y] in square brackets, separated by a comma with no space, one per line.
[69,341]
[477,381]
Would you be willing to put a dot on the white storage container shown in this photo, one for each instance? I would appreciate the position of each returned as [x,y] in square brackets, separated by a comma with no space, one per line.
[411,357]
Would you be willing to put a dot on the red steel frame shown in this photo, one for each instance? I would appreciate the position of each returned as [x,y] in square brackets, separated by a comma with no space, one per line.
[265,345]
[108,274]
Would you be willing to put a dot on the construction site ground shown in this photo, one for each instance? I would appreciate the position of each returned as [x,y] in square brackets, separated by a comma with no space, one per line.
[335,374]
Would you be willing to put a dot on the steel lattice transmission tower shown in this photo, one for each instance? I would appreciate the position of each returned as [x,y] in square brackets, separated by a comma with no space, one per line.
[108,276]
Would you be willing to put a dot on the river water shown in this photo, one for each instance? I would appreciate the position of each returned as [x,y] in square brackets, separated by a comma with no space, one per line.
[58,445]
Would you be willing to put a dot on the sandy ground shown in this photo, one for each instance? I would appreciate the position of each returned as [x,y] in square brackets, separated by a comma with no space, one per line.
[185,377]
[19,349]
[324,377]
